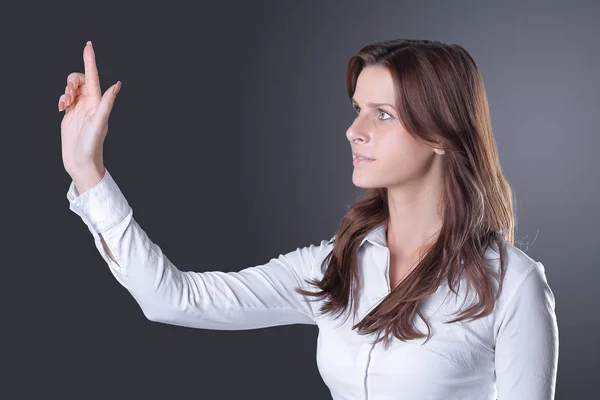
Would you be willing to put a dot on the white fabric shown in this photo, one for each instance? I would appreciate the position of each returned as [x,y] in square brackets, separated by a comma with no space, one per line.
[511,354]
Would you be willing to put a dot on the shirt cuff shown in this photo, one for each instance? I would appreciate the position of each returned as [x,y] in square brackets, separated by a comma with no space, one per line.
[103,205]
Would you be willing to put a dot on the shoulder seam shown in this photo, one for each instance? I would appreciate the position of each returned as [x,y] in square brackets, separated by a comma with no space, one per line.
[513,294]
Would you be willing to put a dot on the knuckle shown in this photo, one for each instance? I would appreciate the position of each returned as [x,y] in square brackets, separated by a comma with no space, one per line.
[74,78]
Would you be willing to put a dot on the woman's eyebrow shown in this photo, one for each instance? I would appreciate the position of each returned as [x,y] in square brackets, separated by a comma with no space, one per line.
[374,105]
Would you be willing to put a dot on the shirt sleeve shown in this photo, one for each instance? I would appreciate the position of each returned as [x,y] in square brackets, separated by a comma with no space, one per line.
[255,297]
[526,354]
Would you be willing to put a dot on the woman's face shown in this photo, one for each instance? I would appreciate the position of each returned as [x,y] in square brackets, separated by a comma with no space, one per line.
[378,133]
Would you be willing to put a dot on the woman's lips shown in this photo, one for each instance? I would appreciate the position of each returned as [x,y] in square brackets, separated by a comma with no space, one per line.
[357,161]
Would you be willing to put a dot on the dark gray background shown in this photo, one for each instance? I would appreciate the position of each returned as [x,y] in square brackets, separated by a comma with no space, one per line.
[228,140]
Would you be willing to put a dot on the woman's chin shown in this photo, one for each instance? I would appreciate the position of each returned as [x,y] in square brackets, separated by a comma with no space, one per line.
[363,182]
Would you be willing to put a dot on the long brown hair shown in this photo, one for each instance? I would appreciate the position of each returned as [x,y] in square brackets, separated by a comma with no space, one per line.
[441,101]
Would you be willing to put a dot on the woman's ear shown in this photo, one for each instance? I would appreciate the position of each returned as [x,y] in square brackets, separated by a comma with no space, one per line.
[436,143]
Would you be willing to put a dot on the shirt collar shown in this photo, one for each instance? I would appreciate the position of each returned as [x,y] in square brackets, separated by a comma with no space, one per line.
[375,236]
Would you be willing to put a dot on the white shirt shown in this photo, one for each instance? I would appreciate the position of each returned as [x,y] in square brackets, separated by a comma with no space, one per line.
[511,354]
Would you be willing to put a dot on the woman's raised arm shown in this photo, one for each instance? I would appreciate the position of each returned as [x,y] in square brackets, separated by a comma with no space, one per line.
[255,297]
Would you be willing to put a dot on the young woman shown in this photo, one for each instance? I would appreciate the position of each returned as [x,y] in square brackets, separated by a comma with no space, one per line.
[430,247]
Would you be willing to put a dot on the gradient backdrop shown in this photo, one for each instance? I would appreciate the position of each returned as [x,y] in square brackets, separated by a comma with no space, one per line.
[228,140]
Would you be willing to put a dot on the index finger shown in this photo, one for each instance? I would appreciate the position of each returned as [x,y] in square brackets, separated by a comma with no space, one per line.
[92,81]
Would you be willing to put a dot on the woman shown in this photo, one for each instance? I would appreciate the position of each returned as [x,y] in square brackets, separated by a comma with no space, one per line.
[429,247]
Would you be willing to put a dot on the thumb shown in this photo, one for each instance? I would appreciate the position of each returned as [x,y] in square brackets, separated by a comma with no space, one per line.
[108,100]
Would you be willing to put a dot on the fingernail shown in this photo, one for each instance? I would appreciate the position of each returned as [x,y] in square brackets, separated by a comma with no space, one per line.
[89,42]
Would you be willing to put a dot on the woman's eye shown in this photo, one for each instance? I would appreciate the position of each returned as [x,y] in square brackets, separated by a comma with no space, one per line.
[385,113]
[357,110]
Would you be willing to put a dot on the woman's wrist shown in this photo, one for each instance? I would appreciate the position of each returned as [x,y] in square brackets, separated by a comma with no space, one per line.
[88,178]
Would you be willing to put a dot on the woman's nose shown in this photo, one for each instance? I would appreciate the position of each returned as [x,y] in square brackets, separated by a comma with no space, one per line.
[357,131]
